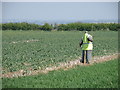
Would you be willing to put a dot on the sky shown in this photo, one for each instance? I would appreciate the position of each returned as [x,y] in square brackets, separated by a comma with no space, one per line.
[75,11]
[60,0]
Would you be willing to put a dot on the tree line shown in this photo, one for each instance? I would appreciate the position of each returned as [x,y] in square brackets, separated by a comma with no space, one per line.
[26,26]
[62,27]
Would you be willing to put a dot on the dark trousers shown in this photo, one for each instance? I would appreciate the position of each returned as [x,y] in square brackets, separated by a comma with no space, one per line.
[88,54]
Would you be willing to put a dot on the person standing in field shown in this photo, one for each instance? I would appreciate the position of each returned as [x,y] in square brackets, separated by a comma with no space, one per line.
[87,47]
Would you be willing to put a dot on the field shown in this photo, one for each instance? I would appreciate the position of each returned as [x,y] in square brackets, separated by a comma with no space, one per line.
[97,76]
[34,50]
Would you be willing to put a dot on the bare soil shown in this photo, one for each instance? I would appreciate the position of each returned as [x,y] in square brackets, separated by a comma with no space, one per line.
[24,41]
[64,66]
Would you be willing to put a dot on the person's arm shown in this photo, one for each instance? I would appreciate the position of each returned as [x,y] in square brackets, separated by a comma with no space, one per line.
[81,42]
[90,38]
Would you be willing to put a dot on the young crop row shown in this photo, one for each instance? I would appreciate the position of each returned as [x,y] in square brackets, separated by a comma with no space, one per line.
[103,75]
[36,50]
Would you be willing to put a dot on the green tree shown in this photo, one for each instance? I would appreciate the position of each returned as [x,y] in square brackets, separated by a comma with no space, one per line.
[46,27]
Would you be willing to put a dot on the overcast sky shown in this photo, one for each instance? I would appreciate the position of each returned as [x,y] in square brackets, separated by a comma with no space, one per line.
[60,10]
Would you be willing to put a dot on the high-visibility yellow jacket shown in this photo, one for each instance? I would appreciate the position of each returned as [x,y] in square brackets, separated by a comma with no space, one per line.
[87,45]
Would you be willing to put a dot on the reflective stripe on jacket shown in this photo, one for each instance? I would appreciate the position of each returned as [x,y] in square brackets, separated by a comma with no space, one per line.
[87,45]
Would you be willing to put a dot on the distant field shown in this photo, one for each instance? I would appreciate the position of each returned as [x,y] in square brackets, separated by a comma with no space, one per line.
[38,49]
[103,75]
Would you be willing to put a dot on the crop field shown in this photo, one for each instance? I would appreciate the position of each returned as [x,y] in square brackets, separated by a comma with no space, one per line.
[96,76]
[34,50]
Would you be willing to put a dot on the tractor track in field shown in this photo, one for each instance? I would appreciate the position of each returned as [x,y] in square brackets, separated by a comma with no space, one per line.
[64,66]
